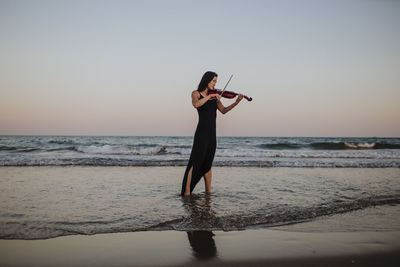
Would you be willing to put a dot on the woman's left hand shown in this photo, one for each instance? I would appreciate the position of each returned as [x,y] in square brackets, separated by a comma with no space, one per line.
[240,97]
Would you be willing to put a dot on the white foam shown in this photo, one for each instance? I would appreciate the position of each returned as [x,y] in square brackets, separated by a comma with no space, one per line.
[122,150]
[359,145]
[362,154]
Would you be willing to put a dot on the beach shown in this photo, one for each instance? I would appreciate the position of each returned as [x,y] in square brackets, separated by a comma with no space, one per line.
[238,248]
[134,216]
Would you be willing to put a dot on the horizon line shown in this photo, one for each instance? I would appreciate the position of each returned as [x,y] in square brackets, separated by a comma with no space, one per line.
[243,136]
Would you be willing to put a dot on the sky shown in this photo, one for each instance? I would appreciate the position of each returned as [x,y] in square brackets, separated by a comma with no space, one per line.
[313,68]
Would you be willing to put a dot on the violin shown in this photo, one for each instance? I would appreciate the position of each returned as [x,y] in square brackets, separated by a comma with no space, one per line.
[227,94]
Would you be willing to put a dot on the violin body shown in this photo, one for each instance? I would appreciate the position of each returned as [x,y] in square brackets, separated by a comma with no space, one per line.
[227,94]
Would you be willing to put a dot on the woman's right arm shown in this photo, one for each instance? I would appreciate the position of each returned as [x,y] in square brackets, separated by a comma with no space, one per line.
[196,101]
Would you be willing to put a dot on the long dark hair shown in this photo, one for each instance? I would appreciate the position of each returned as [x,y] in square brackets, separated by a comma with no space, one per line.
[205,80]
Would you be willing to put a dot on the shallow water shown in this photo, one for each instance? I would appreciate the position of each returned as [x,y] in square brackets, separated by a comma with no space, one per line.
[45,202]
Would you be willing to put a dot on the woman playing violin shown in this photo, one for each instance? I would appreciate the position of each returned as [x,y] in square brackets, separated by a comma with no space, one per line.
[204,143]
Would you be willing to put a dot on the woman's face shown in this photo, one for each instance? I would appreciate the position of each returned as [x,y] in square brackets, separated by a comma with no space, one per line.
[211,84]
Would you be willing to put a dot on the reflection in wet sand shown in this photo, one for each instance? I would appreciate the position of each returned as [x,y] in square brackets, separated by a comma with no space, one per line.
[203,244]
[200,213]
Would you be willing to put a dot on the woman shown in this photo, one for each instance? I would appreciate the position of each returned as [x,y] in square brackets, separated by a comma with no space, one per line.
[205,140]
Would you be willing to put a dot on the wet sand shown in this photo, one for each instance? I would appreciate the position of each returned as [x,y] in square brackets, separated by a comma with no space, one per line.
[258,247]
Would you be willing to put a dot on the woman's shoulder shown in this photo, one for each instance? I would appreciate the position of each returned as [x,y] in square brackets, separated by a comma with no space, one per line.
[196,93]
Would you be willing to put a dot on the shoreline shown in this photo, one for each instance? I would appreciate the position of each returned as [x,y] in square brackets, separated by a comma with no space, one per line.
[175,248]
[369,236]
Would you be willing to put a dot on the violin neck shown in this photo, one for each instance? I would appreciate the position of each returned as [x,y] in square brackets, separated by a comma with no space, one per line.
[248,98]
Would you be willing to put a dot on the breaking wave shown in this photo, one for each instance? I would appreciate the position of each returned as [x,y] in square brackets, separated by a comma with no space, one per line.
[199,217]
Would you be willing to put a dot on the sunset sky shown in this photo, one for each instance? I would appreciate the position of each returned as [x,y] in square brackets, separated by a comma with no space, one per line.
[313,68]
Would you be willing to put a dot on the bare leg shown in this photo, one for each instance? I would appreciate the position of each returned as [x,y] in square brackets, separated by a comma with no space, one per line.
[188,182]
[207,181]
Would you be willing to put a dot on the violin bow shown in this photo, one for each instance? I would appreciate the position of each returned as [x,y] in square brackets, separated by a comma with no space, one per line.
[226,85]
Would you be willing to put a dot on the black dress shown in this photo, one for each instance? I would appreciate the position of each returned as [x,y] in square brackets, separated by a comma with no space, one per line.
[204,144]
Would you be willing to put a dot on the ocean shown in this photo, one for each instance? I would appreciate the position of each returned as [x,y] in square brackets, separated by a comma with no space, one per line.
[175,151]
[54,186]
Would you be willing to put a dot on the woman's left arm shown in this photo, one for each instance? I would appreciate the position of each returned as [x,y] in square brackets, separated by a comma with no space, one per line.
[224,109]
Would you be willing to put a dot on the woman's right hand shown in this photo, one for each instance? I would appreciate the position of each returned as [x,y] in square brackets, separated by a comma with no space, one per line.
[213,96]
